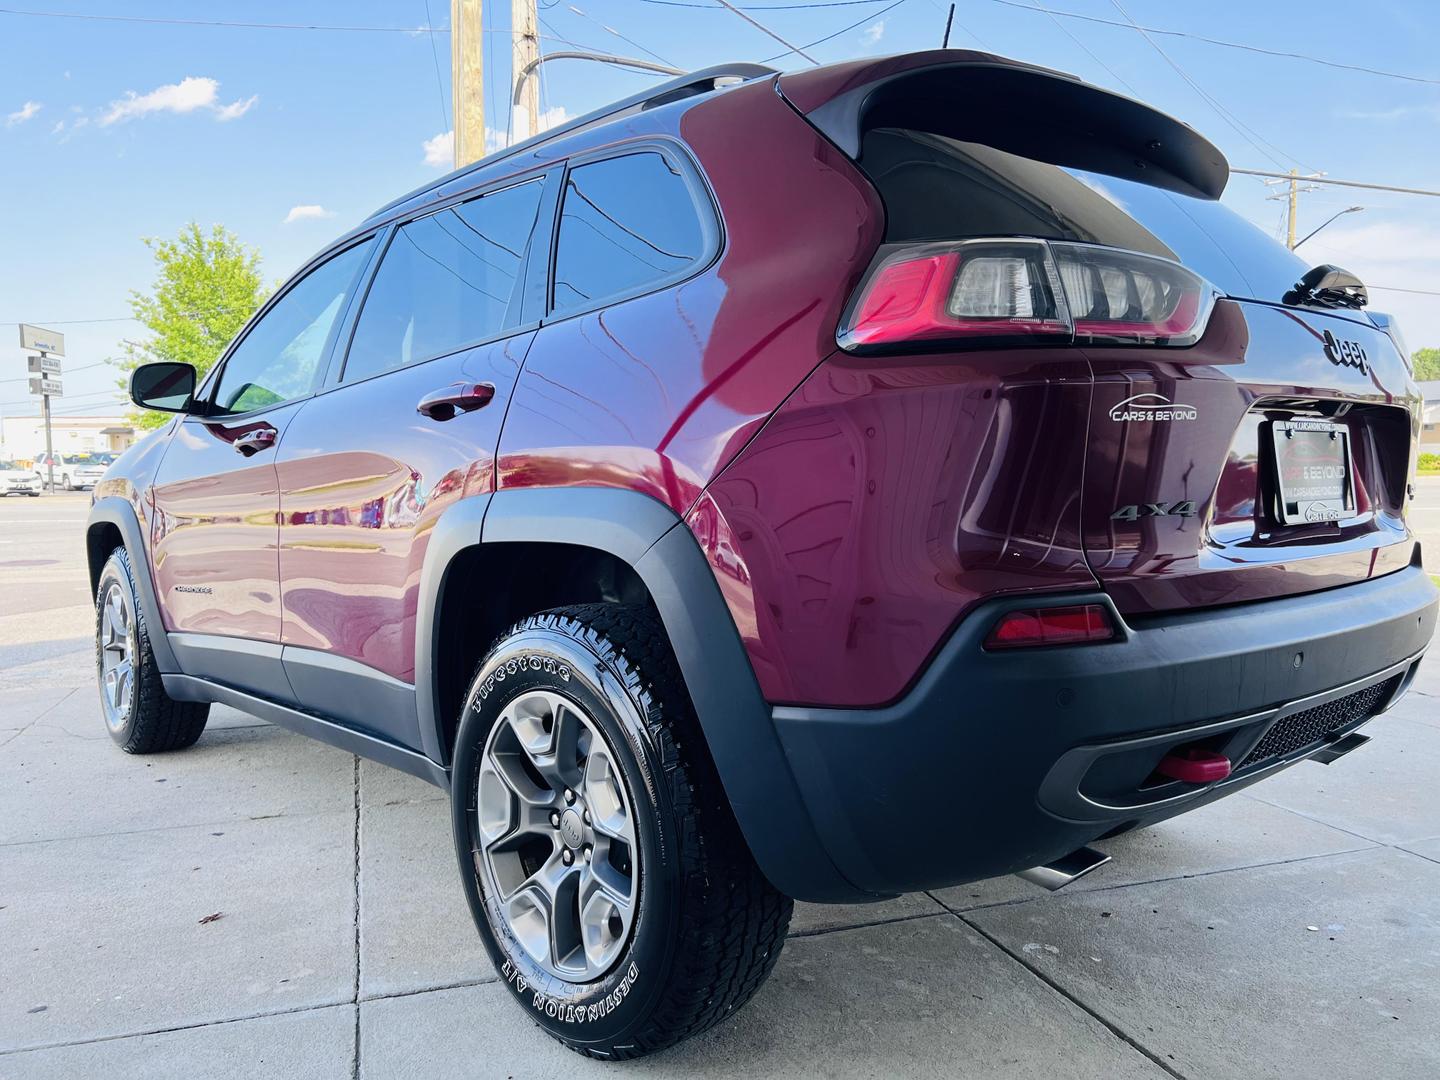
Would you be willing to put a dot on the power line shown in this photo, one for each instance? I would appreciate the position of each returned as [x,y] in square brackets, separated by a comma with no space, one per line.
[1221,43]
[764,7]
[1113,73]
[71,322]
[837,33]
[622,37]
[435,55]
[768,32]
[1339,183]
[1225,114]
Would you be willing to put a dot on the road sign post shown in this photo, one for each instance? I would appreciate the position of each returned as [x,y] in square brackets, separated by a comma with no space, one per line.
[44,380]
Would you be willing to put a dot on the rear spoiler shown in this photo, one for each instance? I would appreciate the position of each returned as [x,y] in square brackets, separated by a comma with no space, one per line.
[1012,106]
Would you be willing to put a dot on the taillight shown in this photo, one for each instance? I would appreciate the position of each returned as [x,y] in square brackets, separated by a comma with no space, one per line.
[994,292]
[1051,626]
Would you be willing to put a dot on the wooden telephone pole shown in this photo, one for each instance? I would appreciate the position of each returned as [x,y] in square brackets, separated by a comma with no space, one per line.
[524,68]
[467,80]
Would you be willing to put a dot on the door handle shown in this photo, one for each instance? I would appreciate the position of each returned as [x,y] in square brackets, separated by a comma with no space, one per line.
[255,440]
[446,403]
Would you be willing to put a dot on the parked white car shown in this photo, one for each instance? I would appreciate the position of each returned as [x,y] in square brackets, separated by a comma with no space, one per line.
[17,481]
[74,470]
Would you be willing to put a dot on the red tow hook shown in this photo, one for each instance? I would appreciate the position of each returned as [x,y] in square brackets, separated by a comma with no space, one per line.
[1194,766]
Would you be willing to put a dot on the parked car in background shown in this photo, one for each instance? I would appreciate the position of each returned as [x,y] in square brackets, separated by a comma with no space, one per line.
[15,480]
[73,471]
[813,486]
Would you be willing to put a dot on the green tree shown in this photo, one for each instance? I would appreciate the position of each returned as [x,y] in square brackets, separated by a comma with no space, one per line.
[1427,363]
[205,287]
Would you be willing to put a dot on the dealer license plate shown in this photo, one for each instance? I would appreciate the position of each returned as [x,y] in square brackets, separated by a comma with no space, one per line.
[1312,471]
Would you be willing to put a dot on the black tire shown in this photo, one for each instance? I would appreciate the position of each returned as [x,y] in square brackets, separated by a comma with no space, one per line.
[708,927]
[155,722]
[65,482]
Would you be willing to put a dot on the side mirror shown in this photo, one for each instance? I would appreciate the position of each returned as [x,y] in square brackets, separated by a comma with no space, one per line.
[165,386]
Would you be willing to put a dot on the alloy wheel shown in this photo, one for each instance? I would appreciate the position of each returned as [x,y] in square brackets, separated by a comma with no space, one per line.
[557,836]
[116,634]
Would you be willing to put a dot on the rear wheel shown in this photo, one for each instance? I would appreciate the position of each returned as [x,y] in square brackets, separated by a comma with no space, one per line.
[138,713]
[603,866]
[65,482]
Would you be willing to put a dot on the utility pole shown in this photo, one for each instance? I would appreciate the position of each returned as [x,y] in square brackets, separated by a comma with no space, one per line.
[525,68]
[467,84]
[1292,194]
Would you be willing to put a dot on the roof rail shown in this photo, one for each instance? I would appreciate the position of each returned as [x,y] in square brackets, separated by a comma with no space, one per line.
[696,82]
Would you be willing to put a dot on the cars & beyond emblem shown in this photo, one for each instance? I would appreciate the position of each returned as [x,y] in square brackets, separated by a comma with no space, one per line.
[1152,407]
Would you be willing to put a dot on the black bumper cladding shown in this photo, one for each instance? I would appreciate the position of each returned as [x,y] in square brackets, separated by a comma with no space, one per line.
[1021,756]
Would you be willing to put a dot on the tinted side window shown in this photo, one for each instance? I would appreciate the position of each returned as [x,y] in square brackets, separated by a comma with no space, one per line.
[447,281]
[279,359]
[626,222]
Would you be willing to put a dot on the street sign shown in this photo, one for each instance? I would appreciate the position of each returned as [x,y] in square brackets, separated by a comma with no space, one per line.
[44,365]
[38,339]
[39,384]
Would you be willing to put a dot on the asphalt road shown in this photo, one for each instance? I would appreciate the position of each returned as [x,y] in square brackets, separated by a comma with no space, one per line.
[1293,930]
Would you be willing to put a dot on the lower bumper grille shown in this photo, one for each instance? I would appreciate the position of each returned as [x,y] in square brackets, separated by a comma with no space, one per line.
[1300,730]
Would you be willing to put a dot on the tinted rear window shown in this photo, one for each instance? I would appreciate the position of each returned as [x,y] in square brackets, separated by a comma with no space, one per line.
[937,188]
[628,224]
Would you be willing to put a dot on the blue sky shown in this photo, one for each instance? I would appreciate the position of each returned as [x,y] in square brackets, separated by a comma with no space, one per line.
[112,131]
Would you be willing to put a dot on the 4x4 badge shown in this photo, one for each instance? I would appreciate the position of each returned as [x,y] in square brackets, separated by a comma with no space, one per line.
[1185,508]
[1346,353]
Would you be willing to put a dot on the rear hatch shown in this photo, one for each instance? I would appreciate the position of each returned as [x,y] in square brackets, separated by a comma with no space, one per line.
[1267,453]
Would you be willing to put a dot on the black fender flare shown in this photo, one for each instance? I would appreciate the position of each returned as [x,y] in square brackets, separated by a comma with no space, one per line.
[114,510]
[735,719]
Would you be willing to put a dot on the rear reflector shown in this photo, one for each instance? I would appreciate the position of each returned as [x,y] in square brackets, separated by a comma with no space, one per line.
[1051,626]
[1022,291]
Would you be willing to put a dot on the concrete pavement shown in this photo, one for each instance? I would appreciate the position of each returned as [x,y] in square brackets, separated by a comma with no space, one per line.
[1290,931]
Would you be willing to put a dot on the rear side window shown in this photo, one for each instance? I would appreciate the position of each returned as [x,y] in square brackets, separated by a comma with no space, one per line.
[447,281]
[628,224]
[279,358]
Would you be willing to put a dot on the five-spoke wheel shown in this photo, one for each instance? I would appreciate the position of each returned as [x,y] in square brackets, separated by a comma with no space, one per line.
[117,655]
[558,836]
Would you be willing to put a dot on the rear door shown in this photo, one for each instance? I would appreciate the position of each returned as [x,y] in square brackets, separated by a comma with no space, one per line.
[407,425]
[216,494]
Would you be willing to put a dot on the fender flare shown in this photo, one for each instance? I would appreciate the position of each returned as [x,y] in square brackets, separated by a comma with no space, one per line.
[114,510]
[735,719]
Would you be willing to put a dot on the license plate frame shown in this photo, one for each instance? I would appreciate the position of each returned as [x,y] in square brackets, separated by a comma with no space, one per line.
[1314,472]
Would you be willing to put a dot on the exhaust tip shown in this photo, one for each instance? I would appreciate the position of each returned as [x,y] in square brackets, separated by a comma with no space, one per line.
[1064,870]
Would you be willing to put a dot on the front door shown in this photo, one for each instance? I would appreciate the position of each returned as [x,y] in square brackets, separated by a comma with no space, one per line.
[407,427]
[216,493]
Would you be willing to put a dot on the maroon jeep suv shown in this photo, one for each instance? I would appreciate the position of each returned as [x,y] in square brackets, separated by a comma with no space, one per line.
[812,486]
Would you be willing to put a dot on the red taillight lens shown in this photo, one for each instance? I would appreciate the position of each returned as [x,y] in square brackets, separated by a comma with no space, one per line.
[1051,626]
[995,292]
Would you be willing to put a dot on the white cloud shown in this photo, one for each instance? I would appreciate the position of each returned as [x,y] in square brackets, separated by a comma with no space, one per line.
[871,35]
[1390,116]
[1402,254]
[236,109]
[58,128]
[308,212]
[189,94]
[440,150]
[25,112]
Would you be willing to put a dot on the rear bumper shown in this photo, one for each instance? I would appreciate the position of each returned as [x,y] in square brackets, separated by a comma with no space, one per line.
[997,762]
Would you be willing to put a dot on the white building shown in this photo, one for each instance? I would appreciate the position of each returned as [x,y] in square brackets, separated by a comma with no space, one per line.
[23,437]
[1430,433]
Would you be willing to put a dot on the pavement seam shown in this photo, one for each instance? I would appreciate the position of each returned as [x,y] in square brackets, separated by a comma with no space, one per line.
[170,828]
[1019,900]
[337,1003]
[799,935]
[42,714]
[355,1059]
[1109,1026]
[1322,821]
[463,985]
